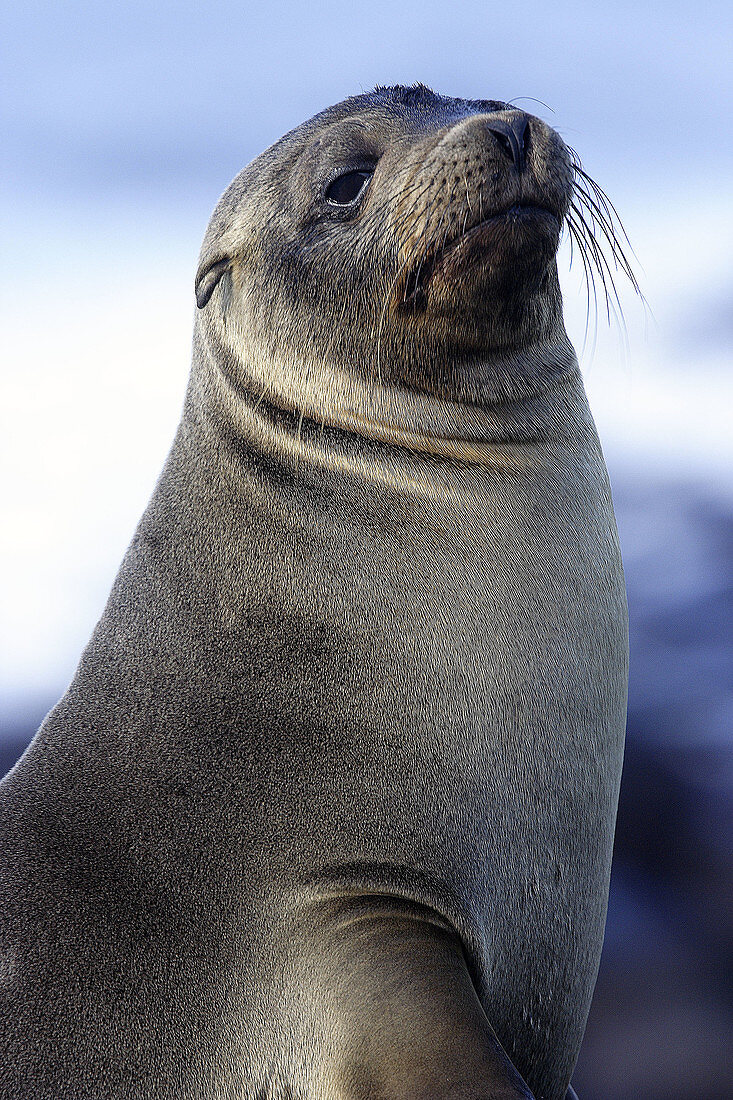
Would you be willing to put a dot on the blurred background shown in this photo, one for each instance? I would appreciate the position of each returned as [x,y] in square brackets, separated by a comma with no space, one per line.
[121,124]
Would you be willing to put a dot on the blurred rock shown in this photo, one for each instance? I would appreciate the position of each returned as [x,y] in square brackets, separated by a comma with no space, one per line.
[661,1025]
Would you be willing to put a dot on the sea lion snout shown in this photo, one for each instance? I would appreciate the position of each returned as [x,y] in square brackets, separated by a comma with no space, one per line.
[504,157]
[482,214]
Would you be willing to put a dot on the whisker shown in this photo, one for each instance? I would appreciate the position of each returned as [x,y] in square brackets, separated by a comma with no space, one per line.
[595,229]
[590,283]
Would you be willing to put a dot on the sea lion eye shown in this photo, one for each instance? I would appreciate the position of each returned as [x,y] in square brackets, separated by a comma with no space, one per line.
[347,188]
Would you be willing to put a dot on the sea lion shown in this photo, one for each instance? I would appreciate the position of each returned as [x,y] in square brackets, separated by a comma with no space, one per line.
[327,810]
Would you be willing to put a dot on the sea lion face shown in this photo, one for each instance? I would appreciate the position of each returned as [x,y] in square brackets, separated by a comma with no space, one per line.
[394,236]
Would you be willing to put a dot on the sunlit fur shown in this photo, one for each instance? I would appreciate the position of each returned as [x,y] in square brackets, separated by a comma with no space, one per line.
[327,810]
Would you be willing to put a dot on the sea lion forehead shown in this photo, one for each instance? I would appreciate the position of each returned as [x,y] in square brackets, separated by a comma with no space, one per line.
[413,102]
[394,111]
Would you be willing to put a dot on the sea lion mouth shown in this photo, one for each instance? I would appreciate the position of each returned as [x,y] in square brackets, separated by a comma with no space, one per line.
[517,212]
[493,239]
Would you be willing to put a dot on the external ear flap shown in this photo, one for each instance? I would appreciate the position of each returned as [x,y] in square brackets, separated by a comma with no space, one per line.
[207,277]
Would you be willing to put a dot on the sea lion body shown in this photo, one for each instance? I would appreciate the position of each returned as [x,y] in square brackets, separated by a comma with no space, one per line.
[328,808]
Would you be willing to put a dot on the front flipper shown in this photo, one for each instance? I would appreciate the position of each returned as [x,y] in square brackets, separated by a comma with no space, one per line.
[398,1014]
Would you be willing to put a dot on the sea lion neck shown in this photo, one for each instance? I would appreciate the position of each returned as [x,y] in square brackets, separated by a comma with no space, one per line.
[335,421]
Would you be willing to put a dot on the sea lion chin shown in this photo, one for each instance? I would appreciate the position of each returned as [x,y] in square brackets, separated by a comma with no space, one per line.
[327,811]
[504,260]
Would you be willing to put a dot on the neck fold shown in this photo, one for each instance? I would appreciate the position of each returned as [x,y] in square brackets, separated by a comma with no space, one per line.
[330,420]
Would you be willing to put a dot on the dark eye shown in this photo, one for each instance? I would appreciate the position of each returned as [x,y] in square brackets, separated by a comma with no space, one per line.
[347,188]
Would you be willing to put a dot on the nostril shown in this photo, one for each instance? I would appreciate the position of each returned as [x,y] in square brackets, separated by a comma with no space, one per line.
[504,144]
[524,139]
[513,138]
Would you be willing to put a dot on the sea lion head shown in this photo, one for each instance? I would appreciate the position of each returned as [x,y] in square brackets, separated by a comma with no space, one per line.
[398,239]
